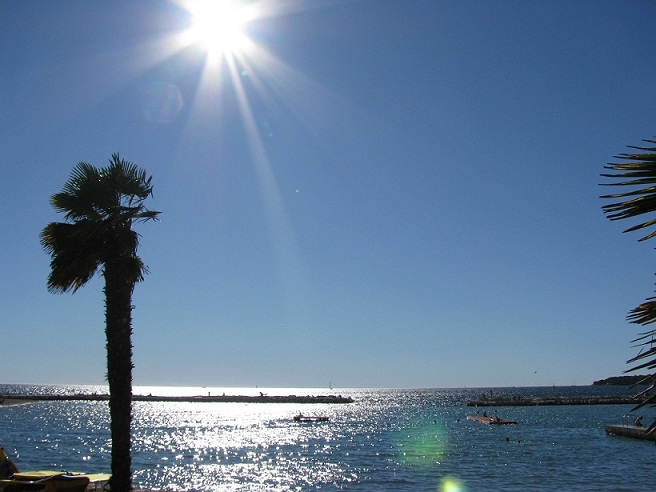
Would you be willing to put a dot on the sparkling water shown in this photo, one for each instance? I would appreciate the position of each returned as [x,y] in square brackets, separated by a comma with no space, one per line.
[387,440]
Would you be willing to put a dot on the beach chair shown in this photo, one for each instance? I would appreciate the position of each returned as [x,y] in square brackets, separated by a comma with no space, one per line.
[46,481]
[11,480]
[98,481]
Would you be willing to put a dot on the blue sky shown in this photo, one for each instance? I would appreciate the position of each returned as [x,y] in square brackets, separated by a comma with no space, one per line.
[381,194]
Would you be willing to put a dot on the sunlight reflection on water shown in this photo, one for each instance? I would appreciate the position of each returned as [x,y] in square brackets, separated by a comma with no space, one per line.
[202,445]
[388,440]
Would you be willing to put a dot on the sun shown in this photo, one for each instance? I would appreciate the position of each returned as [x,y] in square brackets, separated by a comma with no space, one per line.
[218,26]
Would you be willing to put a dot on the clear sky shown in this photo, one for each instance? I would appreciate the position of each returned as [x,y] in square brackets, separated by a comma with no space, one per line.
[373,193]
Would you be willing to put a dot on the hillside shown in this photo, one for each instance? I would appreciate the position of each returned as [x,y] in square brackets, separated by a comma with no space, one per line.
[621,380]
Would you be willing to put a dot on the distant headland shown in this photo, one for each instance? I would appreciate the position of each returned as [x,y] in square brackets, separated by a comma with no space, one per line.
[624,380]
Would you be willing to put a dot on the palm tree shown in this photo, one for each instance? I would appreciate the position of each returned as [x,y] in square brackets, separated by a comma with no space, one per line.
[100,206]
[639,173]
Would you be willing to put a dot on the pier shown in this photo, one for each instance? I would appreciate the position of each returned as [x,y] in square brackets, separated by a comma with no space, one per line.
[527,401]
[188,399]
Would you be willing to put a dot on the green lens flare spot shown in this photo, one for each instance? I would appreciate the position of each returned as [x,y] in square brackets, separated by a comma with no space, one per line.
[451,484]
[423,445]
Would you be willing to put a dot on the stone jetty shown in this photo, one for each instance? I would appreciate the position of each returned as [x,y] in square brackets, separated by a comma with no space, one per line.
[201,399]
[527,401]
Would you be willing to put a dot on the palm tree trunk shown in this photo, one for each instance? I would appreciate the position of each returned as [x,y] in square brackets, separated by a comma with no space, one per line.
[118,329]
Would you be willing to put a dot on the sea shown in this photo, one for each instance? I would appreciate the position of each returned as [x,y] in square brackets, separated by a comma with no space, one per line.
[386,440]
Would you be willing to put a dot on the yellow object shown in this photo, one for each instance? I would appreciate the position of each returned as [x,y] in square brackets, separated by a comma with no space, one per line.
[54,481]
[36,475]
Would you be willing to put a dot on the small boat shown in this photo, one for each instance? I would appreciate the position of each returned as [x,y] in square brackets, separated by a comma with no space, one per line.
[491,420]
[636,431]
[310,418]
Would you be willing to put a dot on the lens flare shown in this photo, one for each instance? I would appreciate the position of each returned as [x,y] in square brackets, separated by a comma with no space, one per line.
[423,444]
[162,102]
[451,484]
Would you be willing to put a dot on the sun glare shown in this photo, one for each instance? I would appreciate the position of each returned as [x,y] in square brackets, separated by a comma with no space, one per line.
[234,70]
[217,25]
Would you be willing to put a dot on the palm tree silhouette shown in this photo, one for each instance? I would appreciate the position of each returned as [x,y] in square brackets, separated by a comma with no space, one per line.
[100,206]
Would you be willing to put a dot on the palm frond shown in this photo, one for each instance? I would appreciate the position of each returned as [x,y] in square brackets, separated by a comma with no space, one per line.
[100,204]
[128,179]
[638,171]
[643,314]
[76,252]
[117,191]
[80,194]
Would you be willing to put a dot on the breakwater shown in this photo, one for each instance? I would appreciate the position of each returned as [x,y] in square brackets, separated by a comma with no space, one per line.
[525,401]
[262,398]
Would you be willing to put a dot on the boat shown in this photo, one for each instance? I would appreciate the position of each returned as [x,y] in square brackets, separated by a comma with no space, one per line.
[490,420]
[637,431]
[310,418]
